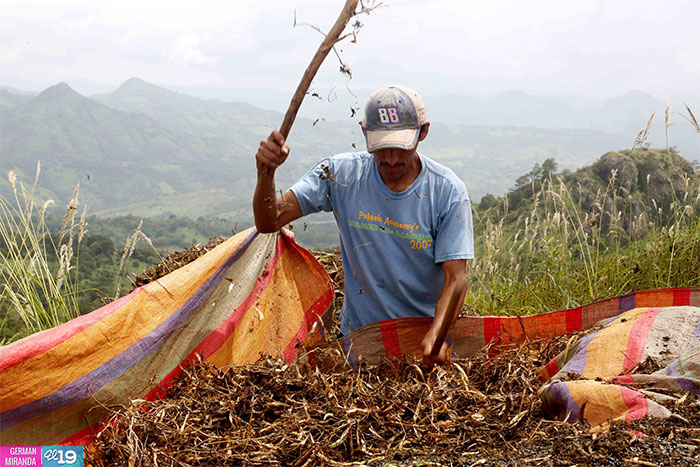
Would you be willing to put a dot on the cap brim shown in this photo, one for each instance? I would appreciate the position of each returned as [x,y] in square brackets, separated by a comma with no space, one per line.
[382,139]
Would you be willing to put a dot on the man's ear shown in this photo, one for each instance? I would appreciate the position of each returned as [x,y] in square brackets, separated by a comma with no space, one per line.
[424,131]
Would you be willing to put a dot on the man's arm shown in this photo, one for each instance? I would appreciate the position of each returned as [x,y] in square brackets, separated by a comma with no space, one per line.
[447,310]
[272,212]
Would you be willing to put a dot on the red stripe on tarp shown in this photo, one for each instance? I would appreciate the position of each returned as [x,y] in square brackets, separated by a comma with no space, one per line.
[637,404]
[637,339]
[84,437]
[217,337]
[310,316]
[574,320]
[551,368]
[624,379]
[43,342]
[681,297]
[390,339]
[318,308]
[492,328]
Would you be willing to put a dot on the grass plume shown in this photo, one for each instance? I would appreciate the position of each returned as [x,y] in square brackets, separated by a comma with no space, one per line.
[642,135]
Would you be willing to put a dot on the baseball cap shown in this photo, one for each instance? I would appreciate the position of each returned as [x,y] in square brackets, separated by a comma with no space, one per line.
[393,117]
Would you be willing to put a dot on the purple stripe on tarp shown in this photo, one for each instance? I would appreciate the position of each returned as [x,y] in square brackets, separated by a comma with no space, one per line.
[627,303]
[672,370]
[689,384]
[577,363]
[558,394]
[92,382]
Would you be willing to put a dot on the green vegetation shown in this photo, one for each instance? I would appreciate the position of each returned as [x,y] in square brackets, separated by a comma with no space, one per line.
[51,271]
[94,258]
[168,234]
[36,265]
[629,222]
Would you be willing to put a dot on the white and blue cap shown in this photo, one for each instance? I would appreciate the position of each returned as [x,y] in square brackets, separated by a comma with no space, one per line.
[393,118]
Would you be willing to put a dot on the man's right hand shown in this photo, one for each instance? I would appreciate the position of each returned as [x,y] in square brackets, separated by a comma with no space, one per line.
[272,153]
[430,358]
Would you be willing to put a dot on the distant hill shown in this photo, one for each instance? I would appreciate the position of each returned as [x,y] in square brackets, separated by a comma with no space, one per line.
[149,146]
[118,157]
[622,115]
[146,150]
[10,99]
[630,188]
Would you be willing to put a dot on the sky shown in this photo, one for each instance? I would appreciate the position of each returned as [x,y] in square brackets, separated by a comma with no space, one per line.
[596,49]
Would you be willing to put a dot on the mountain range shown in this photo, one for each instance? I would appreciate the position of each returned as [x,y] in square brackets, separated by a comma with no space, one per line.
[147,150]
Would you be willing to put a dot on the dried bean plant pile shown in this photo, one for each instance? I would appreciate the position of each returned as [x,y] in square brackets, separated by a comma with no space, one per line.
[479,411]
[175,260]
[333,265]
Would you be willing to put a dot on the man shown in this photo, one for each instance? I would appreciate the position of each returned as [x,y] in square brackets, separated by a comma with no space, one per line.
[405,221]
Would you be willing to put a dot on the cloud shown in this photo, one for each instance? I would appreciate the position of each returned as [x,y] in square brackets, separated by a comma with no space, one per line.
[8,54]
[187,49]
[449,45]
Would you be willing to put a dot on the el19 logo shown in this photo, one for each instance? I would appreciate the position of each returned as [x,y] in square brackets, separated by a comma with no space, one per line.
[389,115]
[63,455]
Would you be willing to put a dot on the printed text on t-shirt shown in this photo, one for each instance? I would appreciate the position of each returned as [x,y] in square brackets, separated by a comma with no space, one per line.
[379,223]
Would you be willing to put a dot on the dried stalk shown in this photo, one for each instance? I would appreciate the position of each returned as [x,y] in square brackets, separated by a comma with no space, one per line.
[325,47]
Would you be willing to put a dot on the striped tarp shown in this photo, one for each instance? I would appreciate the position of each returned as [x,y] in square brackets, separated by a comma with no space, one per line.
[253,294]
[607,364]
[402,336]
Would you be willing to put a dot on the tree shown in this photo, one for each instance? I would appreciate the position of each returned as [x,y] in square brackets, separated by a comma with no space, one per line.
[488,201]
[539,172]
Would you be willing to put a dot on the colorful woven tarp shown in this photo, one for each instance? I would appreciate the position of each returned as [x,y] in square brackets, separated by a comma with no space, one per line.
[608,361]
[253,294]
[401,337]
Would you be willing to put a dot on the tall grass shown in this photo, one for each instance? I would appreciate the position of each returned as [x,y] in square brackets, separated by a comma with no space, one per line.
[560,255]
[127,252]
[38,270]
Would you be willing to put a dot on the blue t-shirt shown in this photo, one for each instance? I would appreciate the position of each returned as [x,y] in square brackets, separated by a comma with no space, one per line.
[391,244]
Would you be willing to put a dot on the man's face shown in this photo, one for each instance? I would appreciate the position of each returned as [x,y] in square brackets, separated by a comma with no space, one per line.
[394,163]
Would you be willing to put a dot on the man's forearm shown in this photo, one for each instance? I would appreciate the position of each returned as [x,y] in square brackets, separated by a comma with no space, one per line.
[265,202]
[270,155]
[447,310]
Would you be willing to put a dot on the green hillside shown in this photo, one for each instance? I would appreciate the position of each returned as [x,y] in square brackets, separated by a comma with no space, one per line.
[628,189]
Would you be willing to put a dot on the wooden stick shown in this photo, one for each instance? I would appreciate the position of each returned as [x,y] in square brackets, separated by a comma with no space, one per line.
[324,48]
